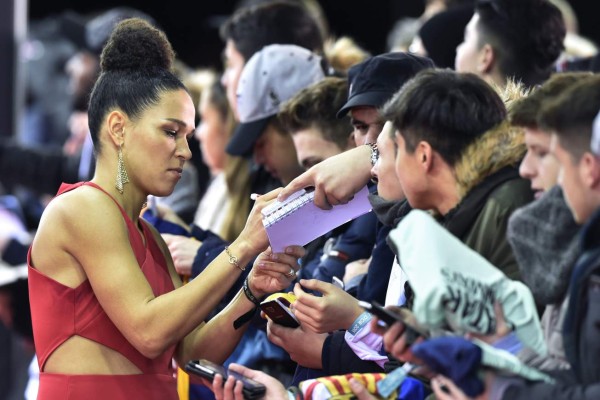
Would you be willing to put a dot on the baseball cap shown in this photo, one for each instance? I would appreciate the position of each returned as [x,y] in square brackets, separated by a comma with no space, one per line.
[595,145]
[375,80]
[271,76]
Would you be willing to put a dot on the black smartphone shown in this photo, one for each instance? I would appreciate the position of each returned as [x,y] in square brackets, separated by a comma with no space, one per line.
[208,369]
[389,317]
[279,311]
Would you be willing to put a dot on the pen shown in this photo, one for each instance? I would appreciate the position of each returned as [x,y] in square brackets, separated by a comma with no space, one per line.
[254,196]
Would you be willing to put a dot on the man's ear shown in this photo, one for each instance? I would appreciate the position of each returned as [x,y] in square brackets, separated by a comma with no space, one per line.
[116,126]
[589,167]
[424,154]
[486,59]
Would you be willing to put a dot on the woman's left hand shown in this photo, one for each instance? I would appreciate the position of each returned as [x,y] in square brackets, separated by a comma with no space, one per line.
[274,272]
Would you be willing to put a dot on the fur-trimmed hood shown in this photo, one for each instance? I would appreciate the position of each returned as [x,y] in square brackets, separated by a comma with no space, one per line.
[501,146]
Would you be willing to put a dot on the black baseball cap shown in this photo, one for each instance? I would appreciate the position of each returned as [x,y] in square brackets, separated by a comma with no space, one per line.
[374,81]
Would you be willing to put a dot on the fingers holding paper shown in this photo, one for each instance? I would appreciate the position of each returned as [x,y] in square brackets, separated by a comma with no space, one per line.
[254,232]
[274,272]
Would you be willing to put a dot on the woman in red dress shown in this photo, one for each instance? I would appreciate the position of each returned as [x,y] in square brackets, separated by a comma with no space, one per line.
[108,308]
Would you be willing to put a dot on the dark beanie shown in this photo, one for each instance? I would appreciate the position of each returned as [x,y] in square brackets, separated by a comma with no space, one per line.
[443,32]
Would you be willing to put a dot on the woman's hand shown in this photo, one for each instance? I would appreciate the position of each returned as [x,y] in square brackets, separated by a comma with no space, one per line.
[254,234]
[335,310]
[183,251]
[232,389]
[274,272]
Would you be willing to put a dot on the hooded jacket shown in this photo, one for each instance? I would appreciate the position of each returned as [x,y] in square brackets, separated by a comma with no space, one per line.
[490,189]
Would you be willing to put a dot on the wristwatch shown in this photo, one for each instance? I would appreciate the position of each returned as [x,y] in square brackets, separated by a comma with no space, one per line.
[374,153]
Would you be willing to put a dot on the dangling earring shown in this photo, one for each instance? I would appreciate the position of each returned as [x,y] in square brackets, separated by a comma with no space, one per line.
[122,177]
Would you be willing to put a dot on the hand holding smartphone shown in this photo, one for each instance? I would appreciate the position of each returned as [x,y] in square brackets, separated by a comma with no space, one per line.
[389,317]
[278,310]
[207,369]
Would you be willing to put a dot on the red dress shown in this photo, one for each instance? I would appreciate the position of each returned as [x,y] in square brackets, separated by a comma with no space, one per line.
[59,312]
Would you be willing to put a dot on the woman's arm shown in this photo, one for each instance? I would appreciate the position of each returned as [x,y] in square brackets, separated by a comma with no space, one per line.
[90,234]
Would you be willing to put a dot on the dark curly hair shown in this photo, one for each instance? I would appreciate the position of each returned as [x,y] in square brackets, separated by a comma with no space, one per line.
[136,68]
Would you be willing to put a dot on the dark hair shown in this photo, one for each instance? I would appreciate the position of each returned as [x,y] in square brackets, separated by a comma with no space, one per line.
[278,22]
[136,69]
[571,115]
[316,106]
[527,36]
[525,111]
[446,109]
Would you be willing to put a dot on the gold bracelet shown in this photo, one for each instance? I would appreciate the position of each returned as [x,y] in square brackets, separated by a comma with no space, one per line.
[233,260]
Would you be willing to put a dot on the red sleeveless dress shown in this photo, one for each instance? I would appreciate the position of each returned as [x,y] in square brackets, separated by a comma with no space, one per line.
[59,312]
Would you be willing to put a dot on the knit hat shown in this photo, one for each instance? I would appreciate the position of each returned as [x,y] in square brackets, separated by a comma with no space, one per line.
[272,76]
[443,32]
[544,238]
[375,80]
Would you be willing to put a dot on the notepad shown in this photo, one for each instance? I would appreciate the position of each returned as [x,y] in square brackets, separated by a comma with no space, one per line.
[298,221]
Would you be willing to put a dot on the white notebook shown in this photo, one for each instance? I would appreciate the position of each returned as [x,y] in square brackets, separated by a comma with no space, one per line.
[298,221]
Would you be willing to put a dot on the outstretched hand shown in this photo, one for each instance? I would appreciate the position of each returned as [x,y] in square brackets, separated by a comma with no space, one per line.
[335,179]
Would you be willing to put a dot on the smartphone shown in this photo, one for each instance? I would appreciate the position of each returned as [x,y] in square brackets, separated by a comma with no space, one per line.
[279,311]
[207,369]
[389,317]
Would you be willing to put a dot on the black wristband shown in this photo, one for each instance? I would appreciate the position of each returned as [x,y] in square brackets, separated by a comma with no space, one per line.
[249,295]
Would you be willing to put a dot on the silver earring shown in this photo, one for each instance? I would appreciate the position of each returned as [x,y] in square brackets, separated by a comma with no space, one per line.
[122,177]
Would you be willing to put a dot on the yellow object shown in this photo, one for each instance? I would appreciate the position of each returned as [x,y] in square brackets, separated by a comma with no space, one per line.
[291,297]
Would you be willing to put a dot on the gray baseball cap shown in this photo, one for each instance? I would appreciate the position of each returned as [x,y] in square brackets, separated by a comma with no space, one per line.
[271,77]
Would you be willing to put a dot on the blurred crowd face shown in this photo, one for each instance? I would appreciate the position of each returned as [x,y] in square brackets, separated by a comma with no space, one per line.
[384,172]
[311,148]
[275,151]
[82,70]
[467,53]
[212,135]
[234,64]
[367,124]
[539,165]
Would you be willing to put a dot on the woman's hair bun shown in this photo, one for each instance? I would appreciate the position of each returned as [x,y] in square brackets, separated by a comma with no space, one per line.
[136,45]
